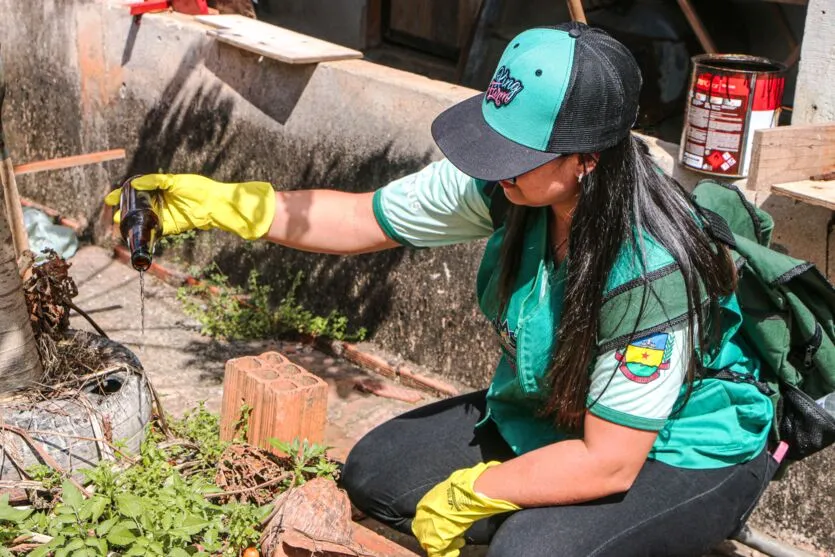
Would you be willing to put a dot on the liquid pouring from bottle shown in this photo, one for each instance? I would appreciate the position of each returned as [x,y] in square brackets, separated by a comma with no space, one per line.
[140,225]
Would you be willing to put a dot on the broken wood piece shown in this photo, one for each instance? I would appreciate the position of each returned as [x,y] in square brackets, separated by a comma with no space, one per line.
[315,519]
[274,42]
[790,153]
[69,162]
[818,193]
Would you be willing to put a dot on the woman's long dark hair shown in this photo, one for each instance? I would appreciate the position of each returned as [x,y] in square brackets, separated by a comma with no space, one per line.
[623,194]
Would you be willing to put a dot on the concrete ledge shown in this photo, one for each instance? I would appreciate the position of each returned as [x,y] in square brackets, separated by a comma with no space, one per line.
[83,78]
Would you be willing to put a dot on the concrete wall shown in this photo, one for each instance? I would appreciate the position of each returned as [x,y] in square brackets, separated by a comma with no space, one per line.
[813,102]
[83,77]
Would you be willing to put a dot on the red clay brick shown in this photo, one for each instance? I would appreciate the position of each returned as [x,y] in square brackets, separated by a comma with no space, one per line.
[287,401]
[376,543]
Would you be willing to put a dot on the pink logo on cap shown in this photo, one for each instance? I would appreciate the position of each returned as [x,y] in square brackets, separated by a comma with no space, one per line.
[503,88]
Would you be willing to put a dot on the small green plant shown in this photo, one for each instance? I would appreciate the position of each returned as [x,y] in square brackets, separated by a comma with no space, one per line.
[202,428]
[233,312]
[177,240]
[149,508]
[241,427]
[47,475]
[307,460]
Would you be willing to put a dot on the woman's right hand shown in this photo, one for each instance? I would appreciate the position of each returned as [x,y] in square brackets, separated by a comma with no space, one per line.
[191,201]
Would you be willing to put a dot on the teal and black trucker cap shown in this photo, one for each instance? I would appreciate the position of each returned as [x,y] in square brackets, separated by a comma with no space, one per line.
[557,90]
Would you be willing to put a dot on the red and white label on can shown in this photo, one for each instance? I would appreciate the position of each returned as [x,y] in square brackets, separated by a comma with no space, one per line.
[716,122]
[720,124]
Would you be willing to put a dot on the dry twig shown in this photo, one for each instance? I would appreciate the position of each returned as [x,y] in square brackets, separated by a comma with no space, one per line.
[268,483]
[45,456]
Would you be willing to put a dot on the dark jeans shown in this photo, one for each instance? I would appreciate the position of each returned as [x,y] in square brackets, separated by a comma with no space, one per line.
[668,511]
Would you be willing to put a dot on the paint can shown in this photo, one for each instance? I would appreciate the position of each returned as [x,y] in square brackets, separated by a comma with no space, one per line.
[730,97]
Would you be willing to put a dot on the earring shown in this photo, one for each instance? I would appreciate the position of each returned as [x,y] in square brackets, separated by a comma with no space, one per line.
[580,176]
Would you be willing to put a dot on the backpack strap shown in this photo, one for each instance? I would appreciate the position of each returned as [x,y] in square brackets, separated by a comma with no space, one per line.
[728,375]
[718,228]
[498,203]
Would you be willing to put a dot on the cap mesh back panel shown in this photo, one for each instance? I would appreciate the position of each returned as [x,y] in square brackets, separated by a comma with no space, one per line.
[600,107]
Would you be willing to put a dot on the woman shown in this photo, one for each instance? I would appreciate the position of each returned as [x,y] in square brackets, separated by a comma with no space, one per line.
[598,434]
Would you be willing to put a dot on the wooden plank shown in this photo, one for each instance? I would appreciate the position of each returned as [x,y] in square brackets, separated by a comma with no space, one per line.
[791,153]
[820,193]
[274,42]
[69,162]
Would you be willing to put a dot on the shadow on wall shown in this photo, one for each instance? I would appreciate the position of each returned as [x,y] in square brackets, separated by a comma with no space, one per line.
[191,119]
[360,287]
[194,127]
[271,86]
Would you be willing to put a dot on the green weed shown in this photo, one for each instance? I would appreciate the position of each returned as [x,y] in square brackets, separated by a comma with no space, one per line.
[234,312]
[151,508]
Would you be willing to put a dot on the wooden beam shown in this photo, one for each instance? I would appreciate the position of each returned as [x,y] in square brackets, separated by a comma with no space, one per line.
[14,212]
[575,9]
[791,153]
[69,162]
[698,27]
[820,193]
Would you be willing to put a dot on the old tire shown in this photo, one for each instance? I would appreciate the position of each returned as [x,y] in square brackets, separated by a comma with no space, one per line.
[120,403]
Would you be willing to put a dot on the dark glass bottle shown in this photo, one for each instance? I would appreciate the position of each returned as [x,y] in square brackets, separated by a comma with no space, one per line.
[141,226]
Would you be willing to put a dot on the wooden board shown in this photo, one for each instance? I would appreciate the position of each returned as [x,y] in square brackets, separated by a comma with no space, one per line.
[69,162]
[820,193]
[274,42]
[791,153]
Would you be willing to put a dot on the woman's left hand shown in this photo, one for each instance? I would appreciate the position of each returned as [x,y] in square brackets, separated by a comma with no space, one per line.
[450,508]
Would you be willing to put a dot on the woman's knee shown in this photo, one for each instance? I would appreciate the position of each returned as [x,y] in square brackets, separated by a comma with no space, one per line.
[536,533]
[362,469]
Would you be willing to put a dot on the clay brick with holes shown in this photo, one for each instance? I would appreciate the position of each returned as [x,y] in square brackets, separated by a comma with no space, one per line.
[286,400]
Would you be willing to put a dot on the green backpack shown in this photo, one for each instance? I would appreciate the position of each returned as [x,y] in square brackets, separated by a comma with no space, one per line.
[788,311]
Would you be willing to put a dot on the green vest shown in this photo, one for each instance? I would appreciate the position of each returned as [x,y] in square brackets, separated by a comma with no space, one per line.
[722,423]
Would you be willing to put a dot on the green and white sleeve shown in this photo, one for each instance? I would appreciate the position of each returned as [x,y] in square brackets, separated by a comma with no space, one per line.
[437,206]
[637,385]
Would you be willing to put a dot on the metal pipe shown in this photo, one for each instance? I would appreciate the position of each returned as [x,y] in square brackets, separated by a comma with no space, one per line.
[768,545]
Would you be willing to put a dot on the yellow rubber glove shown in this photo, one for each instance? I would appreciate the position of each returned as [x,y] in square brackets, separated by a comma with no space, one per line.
[191,201]
[450,508]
